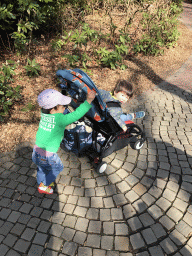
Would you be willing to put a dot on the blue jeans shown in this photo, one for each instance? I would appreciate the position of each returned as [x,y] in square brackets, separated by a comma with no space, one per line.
[126,117]
[48,167]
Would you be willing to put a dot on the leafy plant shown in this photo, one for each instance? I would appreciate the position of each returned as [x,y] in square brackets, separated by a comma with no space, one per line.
[111,59]
[21,42]
[84,59]
[29,107]
[33,68]
[6,15]
[160,31]
[72,59]
[8,94]
[57,44]
[91,34]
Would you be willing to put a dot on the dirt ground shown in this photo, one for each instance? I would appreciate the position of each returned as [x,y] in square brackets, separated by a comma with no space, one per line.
[143,72]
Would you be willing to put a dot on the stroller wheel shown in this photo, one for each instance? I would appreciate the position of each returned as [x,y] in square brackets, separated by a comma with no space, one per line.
[101,167]
[137,145]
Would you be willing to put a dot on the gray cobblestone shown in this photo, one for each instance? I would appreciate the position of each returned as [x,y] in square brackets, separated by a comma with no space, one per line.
[137,241]
[108,202]
[116,214]
[146,219]
[69,208]
[107,242]
[93,241]
[35,250]
[80,211]
[72,199]
[22,246]
[108,228]
[96,202]
[175,214]
[80,237]
[14,216]
[94,227]
[81,224]
[121,243]
[156,251]
[155,211]
[143,200]
[140,206]
[105,215]
[148,199]
[102,181]
[163,203]
[186,251]
[132,180]
[28,234]
[40,239]
[69,248]
[135,223]
[84,251]
[128,211]
[131,196]
[121,229]
[100,191]
[3,249]
[149,236]
[84,201]
[89,183]
[17,229]
[10,240]
[58,217]
[110,190]
[119,199]
[168,246]
[98,252]
[89,192]
[43,226]
[183,228]
[177,237]
[68,234]
[92,214]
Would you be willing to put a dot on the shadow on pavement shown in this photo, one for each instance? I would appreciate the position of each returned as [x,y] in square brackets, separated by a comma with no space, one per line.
[161,83]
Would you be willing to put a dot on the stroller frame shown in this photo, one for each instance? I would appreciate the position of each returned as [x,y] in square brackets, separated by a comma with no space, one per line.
[77,83]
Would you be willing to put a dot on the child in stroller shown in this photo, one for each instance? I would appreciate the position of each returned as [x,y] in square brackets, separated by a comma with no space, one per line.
[120,94]
[77,84]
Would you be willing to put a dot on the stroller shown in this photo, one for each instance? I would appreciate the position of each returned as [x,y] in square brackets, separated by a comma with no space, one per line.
[77,84]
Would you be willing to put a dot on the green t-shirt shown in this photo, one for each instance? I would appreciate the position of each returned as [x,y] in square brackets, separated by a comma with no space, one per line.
[51,127]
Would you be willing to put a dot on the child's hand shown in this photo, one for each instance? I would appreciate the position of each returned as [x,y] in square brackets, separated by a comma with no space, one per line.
[91,96]
[125,128]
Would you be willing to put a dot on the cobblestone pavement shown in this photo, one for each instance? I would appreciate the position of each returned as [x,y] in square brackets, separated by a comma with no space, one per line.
[141,206]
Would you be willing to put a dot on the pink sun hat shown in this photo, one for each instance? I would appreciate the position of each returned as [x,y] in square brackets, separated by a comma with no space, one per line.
[50,98]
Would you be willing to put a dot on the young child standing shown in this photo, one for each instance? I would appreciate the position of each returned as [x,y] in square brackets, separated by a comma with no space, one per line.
[50,134]
[122,92]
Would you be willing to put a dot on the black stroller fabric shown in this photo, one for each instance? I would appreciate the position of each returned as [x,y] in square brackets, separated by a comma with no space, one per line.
[77,139]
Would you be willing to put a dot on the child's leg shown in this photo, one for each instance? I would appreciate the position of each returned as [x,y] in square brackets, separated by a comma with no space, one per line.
[40,161]
[131,116]
[126,117]
[55,167]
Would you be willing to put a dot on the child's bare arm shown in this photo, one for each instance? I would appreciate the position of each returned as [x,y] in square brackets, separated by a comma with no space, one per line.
[91,96]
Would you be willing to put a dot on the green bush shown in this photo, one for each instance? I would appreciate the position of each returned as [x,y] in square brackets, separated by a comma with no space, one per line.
[8,94]
[160,30]
[33,68]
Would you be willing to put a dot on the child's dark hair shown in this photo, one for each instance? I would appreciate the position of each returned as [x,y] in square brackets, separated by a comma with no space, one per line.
[47,111]
[124,86]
